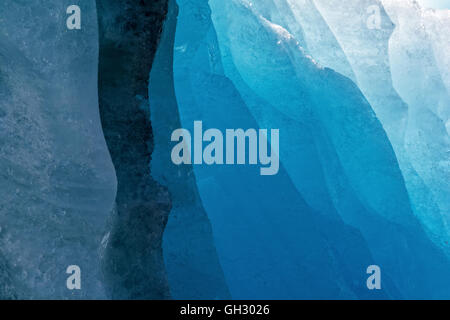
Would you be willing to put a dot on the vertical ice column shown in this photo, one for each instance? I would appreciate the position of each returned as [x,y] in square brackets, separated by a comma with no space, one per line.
[133,260]
[190,256]
[58,184]
[417,75]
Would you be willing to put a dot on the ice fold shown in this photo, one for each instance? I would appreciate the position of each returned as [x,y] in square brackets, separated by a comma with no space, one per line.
[357,159]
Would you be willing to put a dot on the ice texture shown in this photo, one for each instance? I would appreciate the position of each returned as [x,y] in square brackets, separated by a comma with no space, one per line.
[358,162]
[268,239]
[190,256]
[369,50]
[133,261]
[418,71]
[58,183]
[302,19]
[86,118]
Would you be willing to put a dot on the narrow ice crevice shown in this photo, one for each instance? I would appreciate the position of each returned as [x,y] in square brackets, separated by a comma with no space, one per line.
[133,262]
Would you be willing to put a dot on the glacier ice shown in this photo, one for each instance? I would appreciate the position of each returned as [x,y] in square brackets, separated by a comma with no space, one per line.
[293,95]
[87,178]
[303,20]
[418,78]
[369,51]
[267,238]
[269,49]
[133,262]
[190,256]
[58,183]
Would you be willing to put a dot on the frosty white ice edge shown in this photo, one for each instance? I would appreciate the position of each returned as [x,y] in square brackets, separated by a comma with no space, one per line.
[214,152]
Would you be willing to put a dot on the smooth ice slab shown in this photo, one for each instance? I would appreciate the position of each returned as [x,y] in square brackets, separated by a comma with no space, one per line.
[58,183]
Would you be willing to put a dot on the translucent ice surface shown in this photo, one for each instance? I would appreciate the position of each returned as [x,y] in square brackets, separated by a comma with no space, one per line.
[419,62]
[357,91]
[369,37]
[58,184]
[325,116]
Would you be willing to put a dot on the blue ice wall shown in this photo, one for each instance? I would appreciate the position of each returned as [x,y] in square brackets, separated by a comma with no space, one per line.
[270,242]
[371,50]
[190,256]
[347,135]
[363,111]
[57,184]
[339,202]
[262,225]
